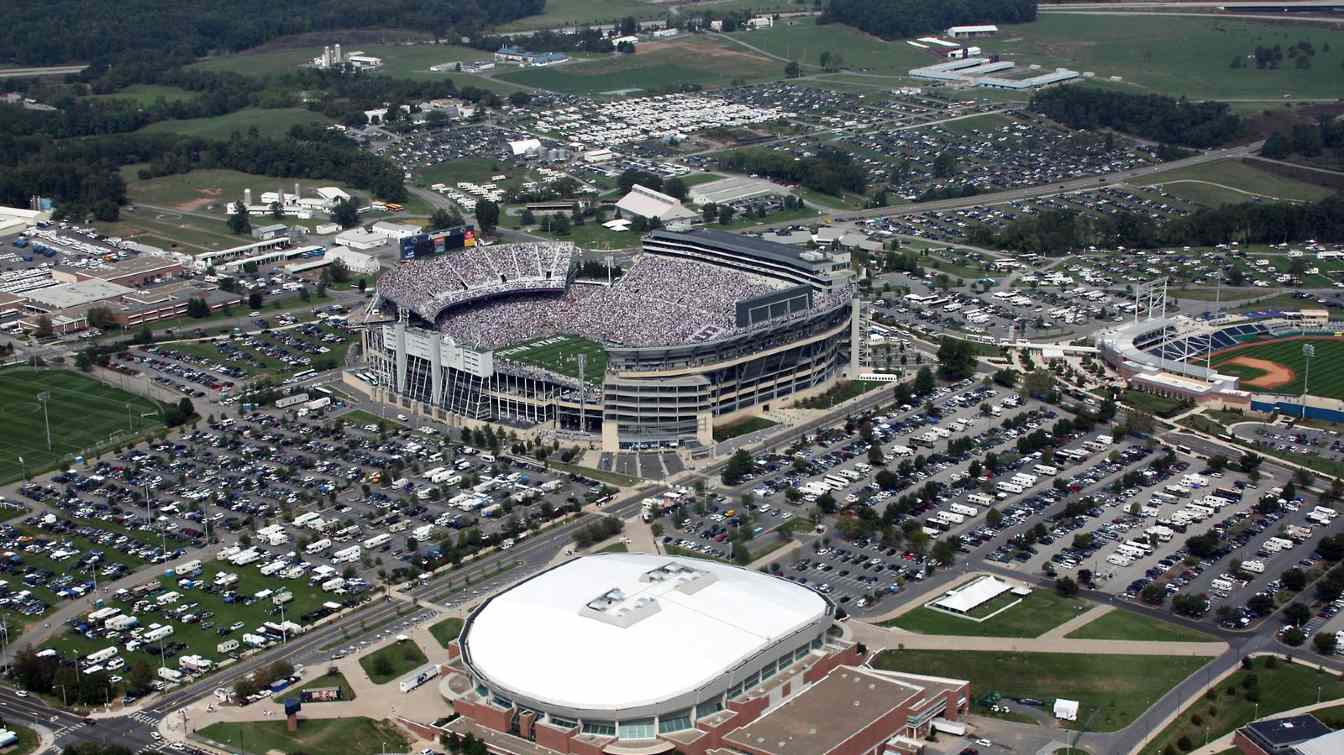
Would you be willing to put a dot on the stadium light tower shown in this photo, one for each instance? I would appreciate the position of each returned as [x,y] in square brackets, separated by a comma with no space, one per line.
[1308,351]
[43,398]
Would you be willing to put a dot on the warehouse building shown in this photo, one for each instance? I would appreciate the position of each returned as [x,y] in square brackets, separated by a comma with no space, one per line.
[734,189]
[643,202]
[133,271]
[972,32]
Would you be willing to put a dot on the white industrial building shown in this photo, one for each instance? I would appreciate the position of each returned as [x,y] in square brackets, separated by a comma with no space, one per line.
[646,203]
[359,238]
[355,262]
[395,231]
[971,32]
[733,189]
[610,622]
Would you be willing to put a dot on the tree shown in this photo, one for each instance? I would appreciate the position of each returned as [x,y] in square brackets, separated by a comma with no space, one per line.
[197,308]
[1066,586]
[792,70]
[528,217]
[1153,594]
[44,328]
[255,299]
[140,676]
[240,222]
[924,383]
[944,553]
[487,215]
[444,218]
[675,187]
[1325,643]
[709,212]
[738,467]
[726,213]
[1297,613]
[1294,579]
[345,213]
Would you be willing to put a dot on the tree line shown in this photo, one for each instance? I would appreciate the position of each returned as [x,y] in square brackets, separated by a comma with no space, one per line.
[48,32]
[1057,232]
[892,19]
[830,171]
[1150,116]
[1307,139]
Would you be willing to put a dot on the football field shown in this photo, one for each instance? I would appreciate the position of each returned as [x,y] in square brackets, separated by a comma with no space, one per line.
[561,354]
[81,411]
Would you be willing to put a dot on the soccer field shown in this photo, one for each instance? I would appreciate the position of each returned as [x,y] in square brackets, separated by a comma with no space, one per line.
[82,412]
[1280,367]
[561,354]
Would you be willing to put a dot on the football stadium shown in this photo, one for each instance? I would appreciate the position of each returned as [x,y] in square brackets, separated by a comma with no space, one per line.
[703,328]
[651,654]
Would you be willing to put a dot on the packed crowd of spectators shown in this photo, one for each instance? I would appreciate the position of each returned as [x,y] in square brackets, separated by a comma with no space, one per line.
[428,286]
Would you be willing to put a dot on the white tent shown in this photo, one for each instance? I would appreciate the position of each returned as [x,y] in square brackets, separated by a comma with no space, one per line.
[1066,710]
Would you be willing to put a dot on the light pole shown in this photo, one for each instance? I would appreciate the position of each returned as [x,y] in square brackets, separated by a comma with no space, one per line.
[43,398]
[24,465]
[1308,351]
[64,701]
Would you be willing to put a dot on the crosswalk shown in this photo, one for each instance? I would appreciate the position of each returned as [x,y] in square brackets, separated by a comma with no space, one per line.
[68,728]
[146,719]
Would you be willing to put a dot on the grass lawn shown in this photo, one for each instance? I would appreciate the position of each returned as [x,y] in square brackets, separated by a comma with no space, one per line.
[1122,686]
[1282,688]
[207,191]
[81,413]
[402,657]
[446,631]
[476,170]
[1327,366]
[1126,625]
[563,12]
[1152,403]
[188,234]
[148,94]
[28,739]
[329,736]
[687,60]
[742,427]
[269,122]
[846,202]
[1036,614]
[326,680]
[841,393]
[612,478]
[561,354]
[615,548]
[1235,174]
[1173,55]
[361,418]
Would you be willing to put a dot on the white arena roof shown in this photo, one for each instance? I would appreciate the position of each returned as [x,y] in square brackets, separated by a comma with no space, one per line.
[618,631]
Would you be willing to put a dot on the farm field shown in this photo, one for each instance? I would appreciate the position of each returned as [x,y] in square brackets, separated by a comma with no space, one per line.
[1196,183]
[207,190]
[329,736]
[1036,614]
[269,123]
[657,65]
[399,61]
[1118,687]
[803,41]
[560,353]
[1280,367]
[82,412]
[1174,55]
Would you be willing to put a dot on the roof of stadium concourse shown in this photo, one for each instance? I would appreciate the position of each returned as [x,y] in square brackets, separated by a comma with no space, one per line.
[825,715]
[748,245]
[983,589]
[623,630]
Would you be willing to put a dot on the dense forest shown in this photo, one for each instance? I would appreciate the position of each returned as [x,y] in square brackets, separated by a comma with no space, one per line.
[47,32]
[1058,232]
[1325,138]
[907,18]
[831,171]
[1149,116]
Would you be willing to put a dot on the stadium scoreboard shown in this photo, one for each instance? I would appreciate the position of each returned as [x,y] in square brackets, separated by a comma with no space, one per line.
[437,242]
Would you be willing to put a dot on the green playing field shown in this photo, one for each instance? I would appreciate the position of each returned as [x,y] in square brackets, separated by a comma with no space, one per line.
[1327,366]
[561,354]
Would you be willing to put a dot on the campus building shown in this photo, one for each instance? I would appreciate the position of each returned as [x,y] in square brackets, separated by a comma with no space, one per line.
[651,654]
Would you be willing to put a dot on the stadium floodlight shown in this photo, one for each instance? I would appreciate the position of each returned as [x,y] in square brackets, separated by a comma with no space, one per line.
[1308,351]
[43,398]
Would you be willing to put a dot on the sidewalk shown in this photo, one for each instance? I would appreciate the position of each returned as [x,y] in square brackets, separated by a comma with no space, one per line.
[878,638]
[1081,620]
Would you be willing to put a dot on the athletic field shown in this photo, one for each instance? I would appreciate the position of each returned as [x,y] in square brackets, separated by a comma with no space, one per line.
[82,412]
[561,354]
[1280,367]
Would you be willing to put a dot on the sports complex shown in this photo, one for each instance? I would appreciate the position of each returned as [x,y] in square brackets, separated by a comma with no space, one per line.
[704,328]
[625,653]
[1269,361]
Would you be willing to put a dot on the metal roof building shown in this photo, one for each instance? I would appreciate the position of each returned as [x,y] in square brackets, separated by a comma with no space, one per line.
[734,189]
[646,203]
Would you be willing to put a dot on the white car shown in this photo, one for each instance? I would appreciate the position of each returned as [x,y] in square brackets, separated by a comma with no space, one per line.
[984,742]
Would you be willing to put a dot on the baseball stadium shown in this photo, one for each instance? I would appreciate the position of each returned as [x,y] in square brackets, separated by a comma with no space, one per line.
[703,328]
[1267,361]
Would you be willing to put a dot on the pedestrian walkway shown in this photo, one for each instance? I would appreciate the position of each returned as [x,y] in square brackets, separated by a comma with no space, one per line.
[877,638]
[1081,620]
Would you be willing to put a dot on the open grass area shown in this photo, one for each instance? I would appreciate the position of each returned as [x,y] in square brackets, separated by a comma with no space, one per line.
[612,478]
[1160,406]
[742,427]
[1037,614]
[402,658]
[590,235]
[189,234]
[1327,366]
[148,94]
[326,680]
[269,123]
[687,60]
[329,736]
[800,39]
[399,61]
[1203,183]
[561,354]
[1226,707]
[614,548]
[1174,55]
[1118,688]
[1213,294]
[208,190]
[475,170]
[81,412]
[1127,625]
[446,631]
